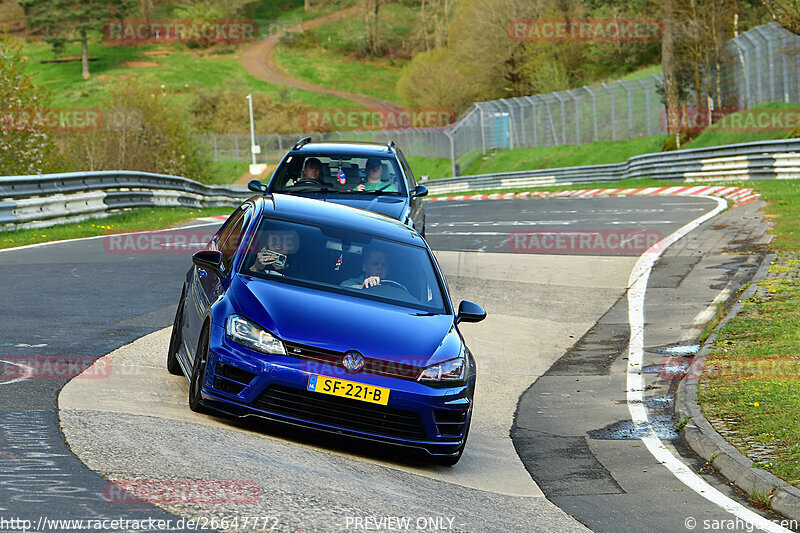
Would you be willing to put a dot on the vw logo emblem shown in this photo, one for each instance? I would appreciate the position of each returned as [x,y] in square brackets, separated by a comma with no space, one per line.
[353,362]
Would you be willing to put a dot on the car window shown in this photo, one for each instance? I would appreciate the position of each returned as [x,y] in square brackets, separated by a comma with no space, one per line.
[229,239]
[407,169]
[340,261]
[340,173]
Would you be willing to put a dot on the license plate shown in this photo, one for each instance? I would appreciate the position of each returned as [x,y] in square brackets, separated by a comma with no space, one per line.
[348,389]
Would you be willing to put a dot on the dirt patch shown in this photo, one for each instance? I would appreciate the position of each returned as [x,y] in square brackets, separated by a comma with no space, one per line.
[138,64]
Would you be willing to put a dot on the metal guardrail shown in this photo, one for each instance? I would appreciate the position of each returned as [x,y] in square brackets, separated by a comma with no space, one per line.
[758,160]
[55,198]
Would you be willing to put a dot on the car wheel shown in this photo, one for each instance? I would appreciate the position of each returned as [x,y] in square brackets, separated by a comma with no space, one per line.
[173,366]
[450,460]
[199,374]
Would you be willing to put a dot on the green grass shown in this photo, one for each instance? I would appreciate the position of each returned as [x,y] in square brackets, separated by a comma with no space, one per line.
[130,220]
[227,172]
[182,72]
[643,73]
[330,70]
[433,168]
[752,373]
[563,156]
[332,55]
[272,15]
[727,131]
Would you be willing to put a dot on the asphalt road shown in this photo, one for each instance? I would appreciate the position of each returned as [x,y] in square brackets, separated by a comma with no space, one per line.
[77,300]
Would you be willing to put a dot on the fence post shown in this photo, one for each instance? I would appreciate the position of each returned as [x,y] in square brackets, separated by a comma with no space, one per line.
[452,153]
[630,109]
[594,110]
[646,104]
[216,151]
[613,113]
[483,130]
[563,118]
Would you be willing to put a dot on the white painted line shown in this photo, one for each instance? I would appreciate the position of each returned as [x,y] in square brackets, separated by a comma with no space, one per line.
[28,372]
[637,284]
[49,243]
[709,312]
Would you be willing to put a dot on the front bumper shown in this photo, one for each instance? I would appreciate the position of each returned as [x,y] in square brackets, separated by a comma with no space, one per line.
[274,388]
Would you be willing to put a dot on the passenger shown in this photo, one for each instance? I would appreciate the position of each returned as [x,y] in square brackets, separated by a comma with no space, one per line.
[375,267]
[312,174]
[272,257]
[374,172]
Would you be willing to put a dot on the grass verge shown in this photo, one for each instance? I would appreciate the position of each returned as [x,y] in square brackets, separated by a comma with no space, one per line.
[750,388]
[132,220]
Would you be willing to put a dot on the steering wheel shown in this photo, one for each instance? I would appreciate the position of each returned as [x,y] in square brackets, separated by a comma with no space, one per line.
[390,283]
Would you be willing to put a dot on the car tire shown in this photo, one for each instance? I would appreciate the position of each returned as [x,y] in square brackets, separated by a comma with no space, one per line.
[450,460]
[175,340]
[199,374]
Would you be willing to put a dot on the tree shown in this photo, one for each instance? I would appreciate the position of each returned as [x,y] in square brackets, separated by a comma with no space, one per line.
[671,89]
[371,9]
[65,21]
[786,12]
[25,147]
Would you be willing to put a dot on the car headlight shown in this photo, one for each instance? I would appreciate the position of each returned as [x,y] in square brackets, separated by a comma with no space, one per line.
[451,372]
[244,332]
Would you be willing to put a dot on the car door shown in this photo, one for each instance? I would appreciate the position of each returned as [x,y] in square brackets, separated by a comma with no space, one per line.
[416,211]
[207,286]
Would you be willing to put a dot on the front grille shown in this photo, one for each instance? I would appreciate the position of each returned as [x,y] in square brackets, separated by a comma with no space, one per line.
[372,365]
[341,412]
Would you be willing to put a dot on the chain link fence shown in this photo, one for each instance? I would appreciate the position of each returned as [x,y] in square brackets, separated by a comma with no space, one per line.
[757,67]
[761,66]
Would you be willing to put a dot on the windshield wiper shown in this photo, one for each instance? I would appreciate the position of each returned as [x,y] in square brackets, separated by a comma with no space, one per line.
[307,188]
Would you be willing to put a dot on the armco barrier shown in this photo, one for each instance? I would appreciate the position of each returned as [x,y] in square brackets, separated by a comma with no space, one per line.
[758,160]
[55,198]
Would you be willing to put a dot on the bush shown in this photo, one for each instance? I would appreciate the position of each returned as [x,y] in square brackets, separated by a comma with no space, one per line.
[25,147]
[226,111]
[142,129]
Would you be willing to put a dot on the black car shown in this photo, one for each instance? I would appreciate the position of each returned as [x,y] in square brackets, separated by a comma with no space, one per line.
[368,176]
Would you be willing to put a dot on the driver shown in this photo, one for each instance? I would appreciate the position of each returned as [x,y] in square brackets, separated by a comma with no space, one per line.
[375,268]
[312,172]
[374,172]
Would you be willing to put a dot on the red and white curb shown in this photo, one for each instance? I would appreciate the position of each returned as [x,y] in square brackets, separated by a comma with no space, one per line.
[739,195]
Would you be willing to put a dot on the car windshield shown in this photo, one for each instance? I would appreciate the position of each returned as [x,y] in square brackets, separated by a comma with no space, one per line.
[345,262]
[368,175]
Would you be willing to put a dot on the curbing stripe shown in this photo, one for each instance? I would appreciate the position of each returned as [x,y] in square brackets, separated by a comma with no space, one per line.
[739,195]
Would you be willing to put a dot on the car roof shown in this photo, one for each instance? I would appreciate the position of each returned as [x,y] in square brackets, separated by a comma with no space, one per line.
[319,212]
[345,148]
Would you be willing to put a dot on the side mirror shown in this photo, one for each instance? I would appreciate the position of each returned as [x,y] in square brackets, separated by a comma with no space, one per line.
[257,186]
[209,260]
[419,191]
[469,312]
